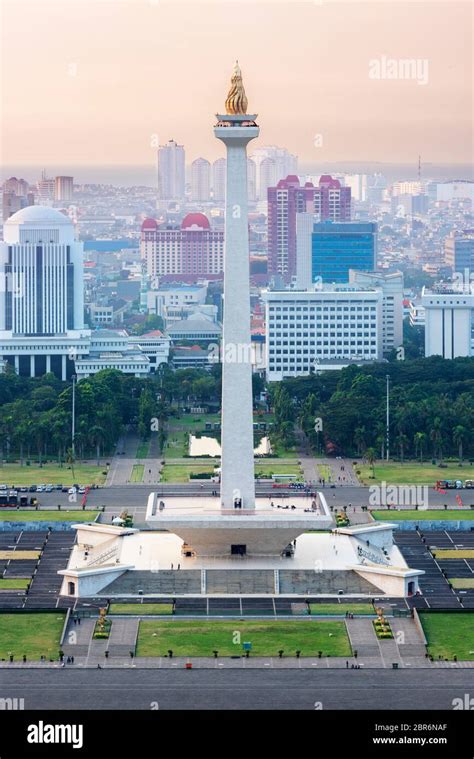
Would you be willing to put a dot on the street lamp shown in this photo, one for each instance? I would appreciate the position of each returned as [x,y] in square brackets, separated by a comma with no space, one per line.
[73,422]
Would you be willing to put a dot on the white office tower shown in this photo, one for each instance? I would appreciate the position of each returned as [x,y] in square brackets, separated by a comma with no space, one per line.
[304,262]
[358,185]
[218,179]
[42,293]
[324,329]
[200,180]
[171,177]
[392,304]
[236,128]
[273,163]
[64,189]
[448,320]
[251,180]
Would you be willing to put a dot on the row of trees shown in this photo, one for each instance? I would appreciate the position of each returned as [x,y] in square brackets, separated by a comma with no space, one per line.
[431,408]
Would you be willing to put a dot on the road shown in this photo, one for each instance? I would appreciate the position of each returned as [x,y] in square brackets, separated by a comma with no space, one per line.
[233,689]
[134,497]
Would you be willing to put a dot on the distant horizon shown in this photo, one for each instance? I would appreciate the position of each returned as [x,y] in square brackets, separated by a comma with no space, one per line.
[105,83]
[145,174]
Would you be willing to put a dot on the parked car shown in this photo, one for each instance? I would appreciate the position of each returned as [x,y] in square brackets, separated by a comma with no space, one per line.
[49,488]
[23,489]
[32,489]
[65,489]
[58,487]
[41,488]
[72,491]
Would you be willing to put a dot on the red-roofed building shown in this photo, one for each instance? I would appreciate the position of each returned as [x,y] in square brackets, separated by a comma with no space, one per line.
[193,249]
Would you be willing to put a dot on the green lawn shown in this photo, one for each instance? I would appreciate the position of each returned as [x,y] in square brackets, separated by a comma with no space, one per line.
[142,450]
[176,446]
[419,516]
[324,471]
[84,474]
[137,473]
[180,472]
[139,610]
[342,608]
[31,634]
[449,634]
[14,583]
[267,467]
[461,583]
[411,473]
[267,638]
[43,515]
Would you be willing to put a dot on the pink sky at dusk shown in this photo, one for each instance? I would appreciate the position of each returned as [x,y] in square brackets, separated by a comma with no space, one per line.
[99,82]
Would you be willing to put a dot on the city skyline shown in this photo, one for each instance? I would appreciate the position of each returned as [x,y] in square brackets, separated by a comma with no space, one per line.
[122,105]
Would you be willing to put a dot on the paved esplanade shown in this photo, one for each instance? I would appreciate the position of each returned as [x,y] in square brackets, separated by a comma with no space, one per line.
[236,128]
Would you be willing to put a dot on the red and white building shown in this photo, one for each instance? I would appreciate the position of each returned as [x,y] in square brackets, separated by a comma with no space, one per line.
[193,248]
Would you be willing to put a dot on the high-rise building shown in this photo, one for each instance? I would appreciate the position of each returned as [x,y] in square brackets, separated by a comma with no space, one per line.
[45,188]
[11,203]
[284,201]
[391,286]
[328,201]
[200,180]
[332,201]
[64,188]
[336,248]
[459,252]
[171,171]
[273,163]
[218,179]
[42,300]
[358,184]
[16,186]
[251,180]
[448,320]
[326,328]
[193,248]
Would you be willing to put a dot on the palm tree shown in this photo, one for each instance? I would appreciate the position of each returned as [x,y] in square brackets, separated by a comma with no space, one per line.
[359,439]
[97,436]
[371,455]
[459,437]
[436,437]
[402,441]
[419,439]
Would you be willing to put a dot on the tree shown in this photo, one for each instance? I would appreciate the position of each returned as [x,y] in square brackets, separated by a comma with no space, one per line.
[359,439]
[371,455]
[419,440]
[459,437]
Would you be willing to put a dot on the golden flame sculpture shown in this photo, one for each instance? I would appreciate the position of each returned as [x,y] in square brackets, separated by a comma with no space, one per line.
[236,102]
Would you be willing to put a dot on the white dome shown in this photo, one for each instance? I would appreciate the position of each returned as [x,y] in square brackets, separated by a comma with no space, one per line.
[33,215]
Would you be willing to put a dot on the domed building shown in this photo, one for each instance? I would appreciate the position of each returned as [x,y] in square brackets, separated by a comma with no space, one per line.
[42,297]
[192,249]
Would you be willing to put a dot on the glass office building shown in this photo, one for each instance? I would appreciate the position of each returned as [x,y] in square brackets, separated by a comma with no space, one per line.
[338,247]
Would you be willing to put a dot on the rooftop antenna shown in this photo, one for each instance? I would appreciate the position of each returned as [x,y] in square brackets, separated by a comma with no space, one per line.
[419,168]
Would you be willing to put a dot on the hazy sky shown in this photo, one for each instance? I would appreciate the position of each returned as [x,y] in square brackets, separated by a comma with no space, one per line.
[99,82]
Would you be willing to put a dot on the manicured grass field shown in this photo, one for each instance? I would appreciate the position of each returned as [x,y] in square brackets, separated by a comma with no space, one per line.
[32,634]
[461,583]
[342,609]
[419,516]
[267,638]
[267,467]
[140,610]
[447,553]
[137,473]
[42,515]
[142,450]
[449,634]
[180,472]
[84,474]
[395,473]
[14,583]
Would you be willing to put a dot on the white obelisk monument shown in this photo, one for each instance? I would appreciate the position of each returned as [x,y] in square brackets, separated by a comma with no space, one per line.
[236,128]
